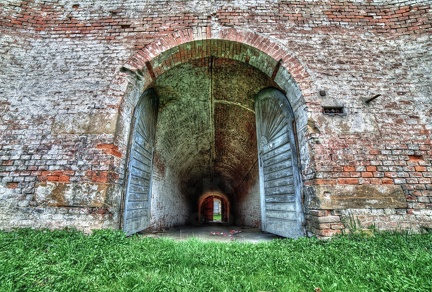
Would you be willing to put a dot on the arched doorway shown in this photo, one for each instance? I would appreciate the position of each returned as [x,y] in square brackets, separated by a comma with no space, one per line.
[206,136]
[214,207]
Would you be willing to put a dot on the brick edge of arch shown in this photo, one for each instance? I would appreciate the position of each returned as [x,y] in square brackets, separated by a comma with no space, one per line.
[141,60]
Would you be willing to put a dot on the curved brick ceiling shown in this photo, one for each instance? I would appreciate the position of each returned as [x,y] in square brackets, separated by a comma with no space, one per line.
[206,122]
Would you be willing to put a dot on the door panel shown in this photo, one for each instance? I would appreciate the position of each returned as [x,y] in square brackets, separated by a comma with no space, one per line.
[208,209]
[281,210]
[138,188]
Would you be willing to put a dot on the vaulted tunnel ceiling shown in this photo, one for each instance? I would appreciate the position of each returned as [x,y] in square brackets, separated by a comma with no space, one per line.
[206,122]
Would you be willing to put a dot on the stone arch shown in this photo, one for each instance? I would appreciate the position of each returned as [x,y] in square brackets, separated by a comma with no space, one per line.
[262,53]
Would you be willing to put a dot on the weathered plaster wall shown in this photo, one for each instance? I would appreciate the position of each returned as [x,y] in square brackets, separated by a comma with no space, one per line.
[65,103]
[247,207]
[169,206]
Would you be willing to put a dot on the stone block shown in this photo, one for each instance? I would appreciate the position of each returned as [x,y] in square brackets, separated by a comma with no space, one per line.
[84,123]
[56,194]
[358,197]
[328,219]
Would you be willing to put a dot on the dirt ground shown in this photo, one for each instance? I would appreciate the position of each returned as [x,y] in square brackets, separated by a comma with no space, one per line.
[214,232]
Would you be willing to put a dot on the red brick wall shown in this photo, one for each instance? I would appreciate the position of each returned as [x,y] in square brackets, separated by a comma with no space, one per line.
[62,89]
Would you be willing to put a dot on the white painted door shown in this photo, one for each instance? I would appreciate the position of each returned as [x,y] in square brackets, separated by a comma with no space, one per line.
[281,210]
[139,172]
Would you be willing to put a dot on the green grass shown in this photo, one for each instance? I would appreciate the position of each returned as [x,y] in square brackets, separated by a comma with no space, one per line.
[217,217]
[108,261]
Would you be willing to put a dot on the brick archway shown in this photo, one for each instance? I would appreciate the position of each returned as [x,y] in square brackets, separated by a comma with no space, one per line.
[269,56]
[143,61]
[265,55]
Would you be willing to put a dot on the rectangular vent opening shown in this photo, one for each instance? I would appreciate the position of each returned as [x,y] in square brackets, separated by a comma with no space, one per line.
[334,110]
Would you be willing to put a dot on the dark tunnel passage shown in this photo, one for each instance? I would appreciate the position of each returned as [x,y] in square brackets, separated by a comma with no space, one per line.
[206,141]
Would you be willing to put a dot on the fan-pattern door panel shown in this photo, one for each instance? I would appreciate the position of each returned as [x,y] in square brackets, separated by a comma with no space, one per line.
[281,211]
[138,189]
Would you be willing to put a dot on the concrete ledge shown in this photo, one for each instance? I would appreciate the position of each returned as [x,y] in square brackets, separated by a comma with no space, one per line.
[355,197]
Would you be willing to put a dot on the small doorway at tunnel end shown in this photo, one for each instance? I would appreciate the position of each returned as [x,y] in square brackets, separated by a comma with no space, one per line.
[213,208]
